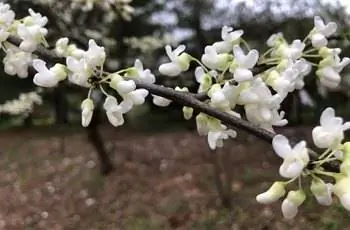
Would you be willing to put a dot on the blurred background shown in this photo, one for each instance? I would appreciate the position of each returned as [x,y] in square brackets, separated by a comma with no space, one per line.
[155,172]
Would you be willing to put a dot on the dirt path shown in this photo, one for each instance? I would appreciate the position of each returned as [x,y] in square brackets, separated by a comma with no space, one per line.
[162,181]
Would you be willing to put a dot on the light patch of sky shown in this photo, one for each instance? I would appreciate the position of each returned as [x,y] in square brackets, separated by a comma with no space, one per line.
[346,4]
[280,8]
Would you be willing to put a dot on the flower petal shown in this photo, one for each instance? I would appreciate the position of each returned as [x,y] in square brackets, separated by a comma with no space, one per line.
[281,146]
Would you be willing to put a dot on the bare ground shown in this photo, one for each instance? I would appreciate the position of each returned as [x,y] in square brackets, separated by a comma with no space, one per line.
[161,181]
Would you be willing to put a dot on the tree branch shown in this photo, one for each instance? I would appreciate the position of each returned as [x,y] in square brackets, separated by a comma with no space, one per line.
[191,100]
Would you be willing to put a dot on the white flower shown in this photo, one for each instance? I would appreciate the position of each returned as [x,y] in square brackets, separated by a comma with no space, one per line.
[75,52]
[125,86]
[95,55]
[329,69]
[330,133]
[257,92]
[322,191]
[61,47]
[114,111]
[31,31]
[229,37]
[290,78]
[342,190]
[261,106]
[144,75]
[136,97]
[202,121]
[214,60]
[295,50]
[329,77]
[3,35]
[160,101]
[206,124]
[285,51]
[205,80]
[275,39]
[122,86]
[291,204]
[325,52]
[16,62]
[80,73]
[218,97]
[306,99]
[243,63]
[264,116]
[35,19]
[216,138]
[87,107]
[276,191]
[294,160]
[283,82]
[321,31]
[180,61]
[48,77]
[345,166]
[7,16]
[231,93]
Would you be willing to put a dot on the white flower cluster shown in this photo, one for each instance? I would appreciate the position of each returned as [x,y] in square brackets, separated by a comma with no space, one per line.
[331,64]
[122,6]
[85,68]
[147,43]
[23,105]
[82,67]
[226,74]
[29,29]
[328,135]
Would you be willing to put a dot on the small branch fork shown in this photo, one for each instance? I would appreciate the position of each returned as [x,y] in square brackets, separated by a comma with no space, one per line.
[192,100]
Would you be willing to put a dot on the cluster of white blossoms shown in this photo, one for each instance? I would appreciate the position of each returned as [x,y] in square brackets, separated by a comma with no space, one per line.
[122,6]
[329,136]
[147,43]
[226,74]
[23,105]
[29,29]
[229,74]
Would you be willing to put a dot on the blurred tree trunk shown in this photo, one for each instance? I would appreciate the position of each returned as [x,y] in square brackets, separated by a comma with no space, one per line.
[197,25]
[121,46]
[28,121]
[61,105]
[106,164]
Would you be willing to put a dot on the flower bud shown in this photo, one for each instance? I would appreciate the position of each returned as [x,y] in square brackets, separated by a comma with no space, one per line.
[318,40]
[202,124]
[345,148]
[138,96]
[342,190]
[124,87]
[188,112]
[290,205]
[206,83]
[272,77]
[61,47]
[161,101]
[87,107]
[59,71]
[183,89]
[276,191]
[321,191]
[184,61]
[118,83]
